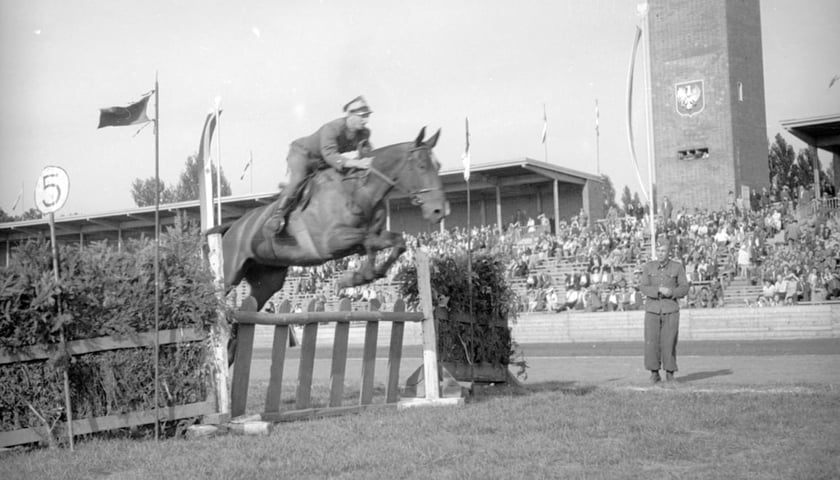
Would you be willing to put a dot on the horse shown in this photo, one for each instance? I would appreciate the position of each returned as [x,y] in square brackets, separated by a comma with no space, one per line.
[335,217]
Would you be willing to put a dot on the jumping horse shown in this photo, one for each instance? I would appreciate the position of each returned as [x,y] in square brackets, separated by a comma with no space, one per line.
[336,216]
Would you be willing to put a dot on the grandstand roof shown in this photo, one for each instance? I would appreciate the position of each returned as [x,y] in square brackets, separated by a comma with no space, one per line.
[821,132]
[508,175]
[511,174]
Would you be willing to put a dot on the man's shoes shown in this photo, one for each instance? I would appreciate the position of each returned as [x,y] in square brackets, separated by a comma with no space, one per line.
[669,376]
[654,377]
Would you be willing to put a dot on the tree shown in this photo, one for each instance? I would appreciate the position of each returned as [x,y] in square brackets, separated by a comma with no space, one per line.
[638,208]
[31,214]
[143,191]
[791,169]
[187,188]
[626,199]
[780,160]
[609,192]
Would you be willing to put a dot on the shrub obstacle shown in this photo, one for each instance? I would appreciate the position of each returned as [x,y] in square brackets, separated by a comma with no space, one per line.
[105,399]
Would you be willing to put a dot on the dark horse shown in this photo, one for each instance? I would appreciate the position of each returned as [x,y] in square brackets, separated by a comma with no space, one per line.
[336,217]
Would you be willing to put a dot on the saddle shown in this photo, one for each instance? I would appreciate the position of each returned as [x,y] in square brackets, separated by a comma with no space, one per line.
[318,178]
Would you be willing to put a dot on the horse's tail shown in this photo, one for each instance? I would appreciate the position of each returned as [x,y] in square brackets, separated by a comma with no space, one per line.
[222,229]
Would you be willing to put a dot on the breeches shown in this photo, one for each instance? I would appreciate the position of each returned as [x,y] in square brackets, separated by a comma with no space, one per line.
[300,164]
[661,332]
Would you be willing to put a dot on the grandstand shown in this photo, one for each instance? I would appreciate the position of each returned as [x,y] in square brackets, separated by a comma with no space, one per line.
[548,269]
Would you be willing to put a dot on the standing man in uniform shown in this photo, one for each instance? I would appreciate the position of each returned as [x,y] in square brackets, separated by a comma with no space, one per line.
[663,283]
[336,144]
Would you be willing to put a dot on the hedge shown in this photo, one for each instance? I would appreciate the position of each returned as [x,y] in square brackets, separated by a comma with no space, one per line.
[102,292]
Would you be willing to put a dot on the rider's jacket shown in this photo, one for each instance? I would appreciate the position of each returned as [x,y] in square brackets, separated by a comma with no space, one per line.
[331,140]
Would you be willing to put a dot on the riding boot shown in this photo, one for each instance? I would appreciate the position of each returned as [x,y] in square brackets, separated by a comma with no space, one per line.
[277,221]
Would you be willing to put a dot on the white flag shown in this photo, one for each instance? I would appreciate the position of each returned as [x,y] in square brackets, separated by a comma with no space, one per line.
[466,156]
[545,124]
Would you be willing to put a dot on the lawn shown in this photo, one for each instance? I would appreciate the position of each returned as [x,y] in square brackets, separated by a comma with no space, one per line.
[557,430]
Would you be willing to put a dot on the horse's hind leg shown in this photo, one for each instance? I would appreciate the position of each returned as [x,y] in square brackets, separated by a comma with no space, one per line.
[264,281]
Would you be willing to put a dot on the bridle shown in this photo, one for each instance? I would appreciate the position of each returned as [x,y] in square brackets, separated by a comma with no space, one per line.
[413,194]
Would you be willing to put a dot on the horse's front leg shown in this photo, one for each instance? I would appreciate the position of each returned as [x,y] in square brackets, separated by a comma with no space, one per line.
[385,239]
[369,271]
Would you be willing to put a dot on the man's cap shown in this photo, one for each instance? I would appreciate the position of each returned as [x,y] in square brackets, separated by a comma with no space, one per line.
[358,106]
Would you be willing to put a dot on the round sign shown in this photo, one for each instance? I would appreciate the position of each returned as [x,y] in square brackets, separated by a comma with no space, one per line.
[51,189]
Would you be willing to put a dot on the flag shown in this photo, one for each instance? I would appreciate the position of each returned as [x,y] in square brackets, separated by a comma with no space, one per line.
[133,114]
[596,116]
[205,176]
[17,200]
[207,136]
[466,156]
[244,170]
[545,124]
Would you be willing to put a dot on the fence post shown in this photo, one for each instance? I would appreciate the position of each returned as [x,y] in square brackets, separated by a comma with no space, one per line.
[219,330]
[431,379]
[430,356]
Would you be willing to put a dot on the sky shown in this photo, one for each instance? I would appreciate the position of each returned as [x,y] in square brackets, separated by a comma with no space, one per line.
[283,68]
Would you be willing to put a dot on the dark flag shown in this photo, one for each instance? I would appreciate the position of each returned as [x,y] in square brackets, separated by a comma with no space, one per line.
[133,114]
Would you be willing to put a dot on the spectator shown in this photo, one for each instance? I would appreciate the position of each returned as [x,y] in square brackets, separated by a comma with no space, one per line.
[768,294]
[663,283]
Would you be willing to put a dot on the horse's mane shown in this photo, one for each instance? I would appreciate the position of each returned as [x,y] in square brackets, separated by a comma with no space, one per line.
[379,150]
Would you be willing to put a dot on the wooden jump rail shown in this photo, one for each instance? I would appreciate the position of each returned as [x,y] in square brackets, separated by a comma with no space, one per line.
[282,322]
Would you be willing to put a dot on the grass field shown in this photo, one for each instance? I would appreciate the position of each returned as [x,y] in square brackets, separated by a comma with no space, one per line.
[556,431]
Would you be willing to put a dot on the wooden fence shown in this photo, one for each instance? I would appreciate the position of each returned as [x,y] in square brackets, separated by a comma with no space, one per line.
[309,321]
[108,422]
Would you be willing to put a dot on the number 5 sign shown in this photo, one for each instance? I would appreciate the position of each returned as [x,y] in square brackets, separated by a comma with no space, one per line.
[51,189]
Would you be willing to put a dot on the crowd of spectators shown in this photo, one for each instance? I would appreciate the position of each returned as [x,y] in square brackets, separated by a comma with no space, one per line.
[777,241]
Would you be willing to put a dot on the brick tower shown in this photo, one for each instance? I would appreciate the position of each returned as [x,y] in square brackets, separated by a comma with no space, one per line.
[707,90]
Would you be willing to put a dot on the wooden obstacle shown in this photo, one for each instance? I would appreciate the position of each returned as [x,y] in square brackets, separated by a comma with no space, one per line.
[309,321]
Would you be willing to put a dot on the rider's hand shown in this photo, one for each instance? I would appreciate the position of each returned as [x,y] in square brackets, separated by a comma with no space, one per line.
[363,163]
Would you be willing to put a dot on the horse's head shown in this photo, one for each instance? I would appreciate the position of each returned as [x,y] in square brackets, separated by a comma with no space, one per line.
[416,174]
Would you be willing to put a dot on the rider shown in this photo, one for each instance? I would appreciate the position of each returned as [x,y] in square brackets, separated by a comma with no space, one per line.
[336,144]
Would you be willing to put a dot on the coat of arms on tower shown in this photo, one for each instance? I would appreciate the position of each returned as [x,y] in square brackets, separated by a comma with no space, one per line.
[690,97]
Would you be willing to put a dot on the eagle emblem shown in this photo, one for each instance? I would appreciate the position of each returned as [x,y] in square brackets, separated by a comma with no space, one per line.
[690,97]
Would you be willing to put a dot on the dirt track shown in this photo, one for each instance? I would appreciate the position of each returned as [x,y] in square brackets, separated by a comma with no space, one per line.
[760,364]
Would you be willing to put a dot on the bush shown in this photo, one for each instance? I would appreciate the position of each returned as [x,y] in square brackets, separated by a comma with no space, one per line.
[473,328]
[102,292]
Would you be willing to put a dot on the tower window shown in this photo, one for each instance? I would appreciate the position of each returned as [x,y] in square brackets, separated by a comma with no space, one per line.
[693,154]
[740,92]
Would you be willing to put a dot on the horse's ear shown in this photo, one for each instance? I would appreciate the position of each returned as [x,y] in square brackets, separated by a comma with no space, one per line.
[419,140]
[432,141]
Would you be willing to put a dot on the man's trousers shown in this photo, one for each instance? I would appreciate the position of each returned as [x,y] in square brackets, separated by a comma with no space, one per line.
[661,332]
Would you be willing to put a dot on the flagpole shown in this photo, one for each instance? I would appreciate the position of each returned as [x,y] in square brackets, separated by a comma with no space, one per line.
[644,9]
[251,163]
[467,166]
[545,133]
[597,140]
[218,100]
[157,252]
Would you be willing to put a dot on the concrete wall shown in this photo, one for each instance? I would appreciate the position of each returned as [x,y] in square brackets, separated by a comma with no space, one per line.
[779,323]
